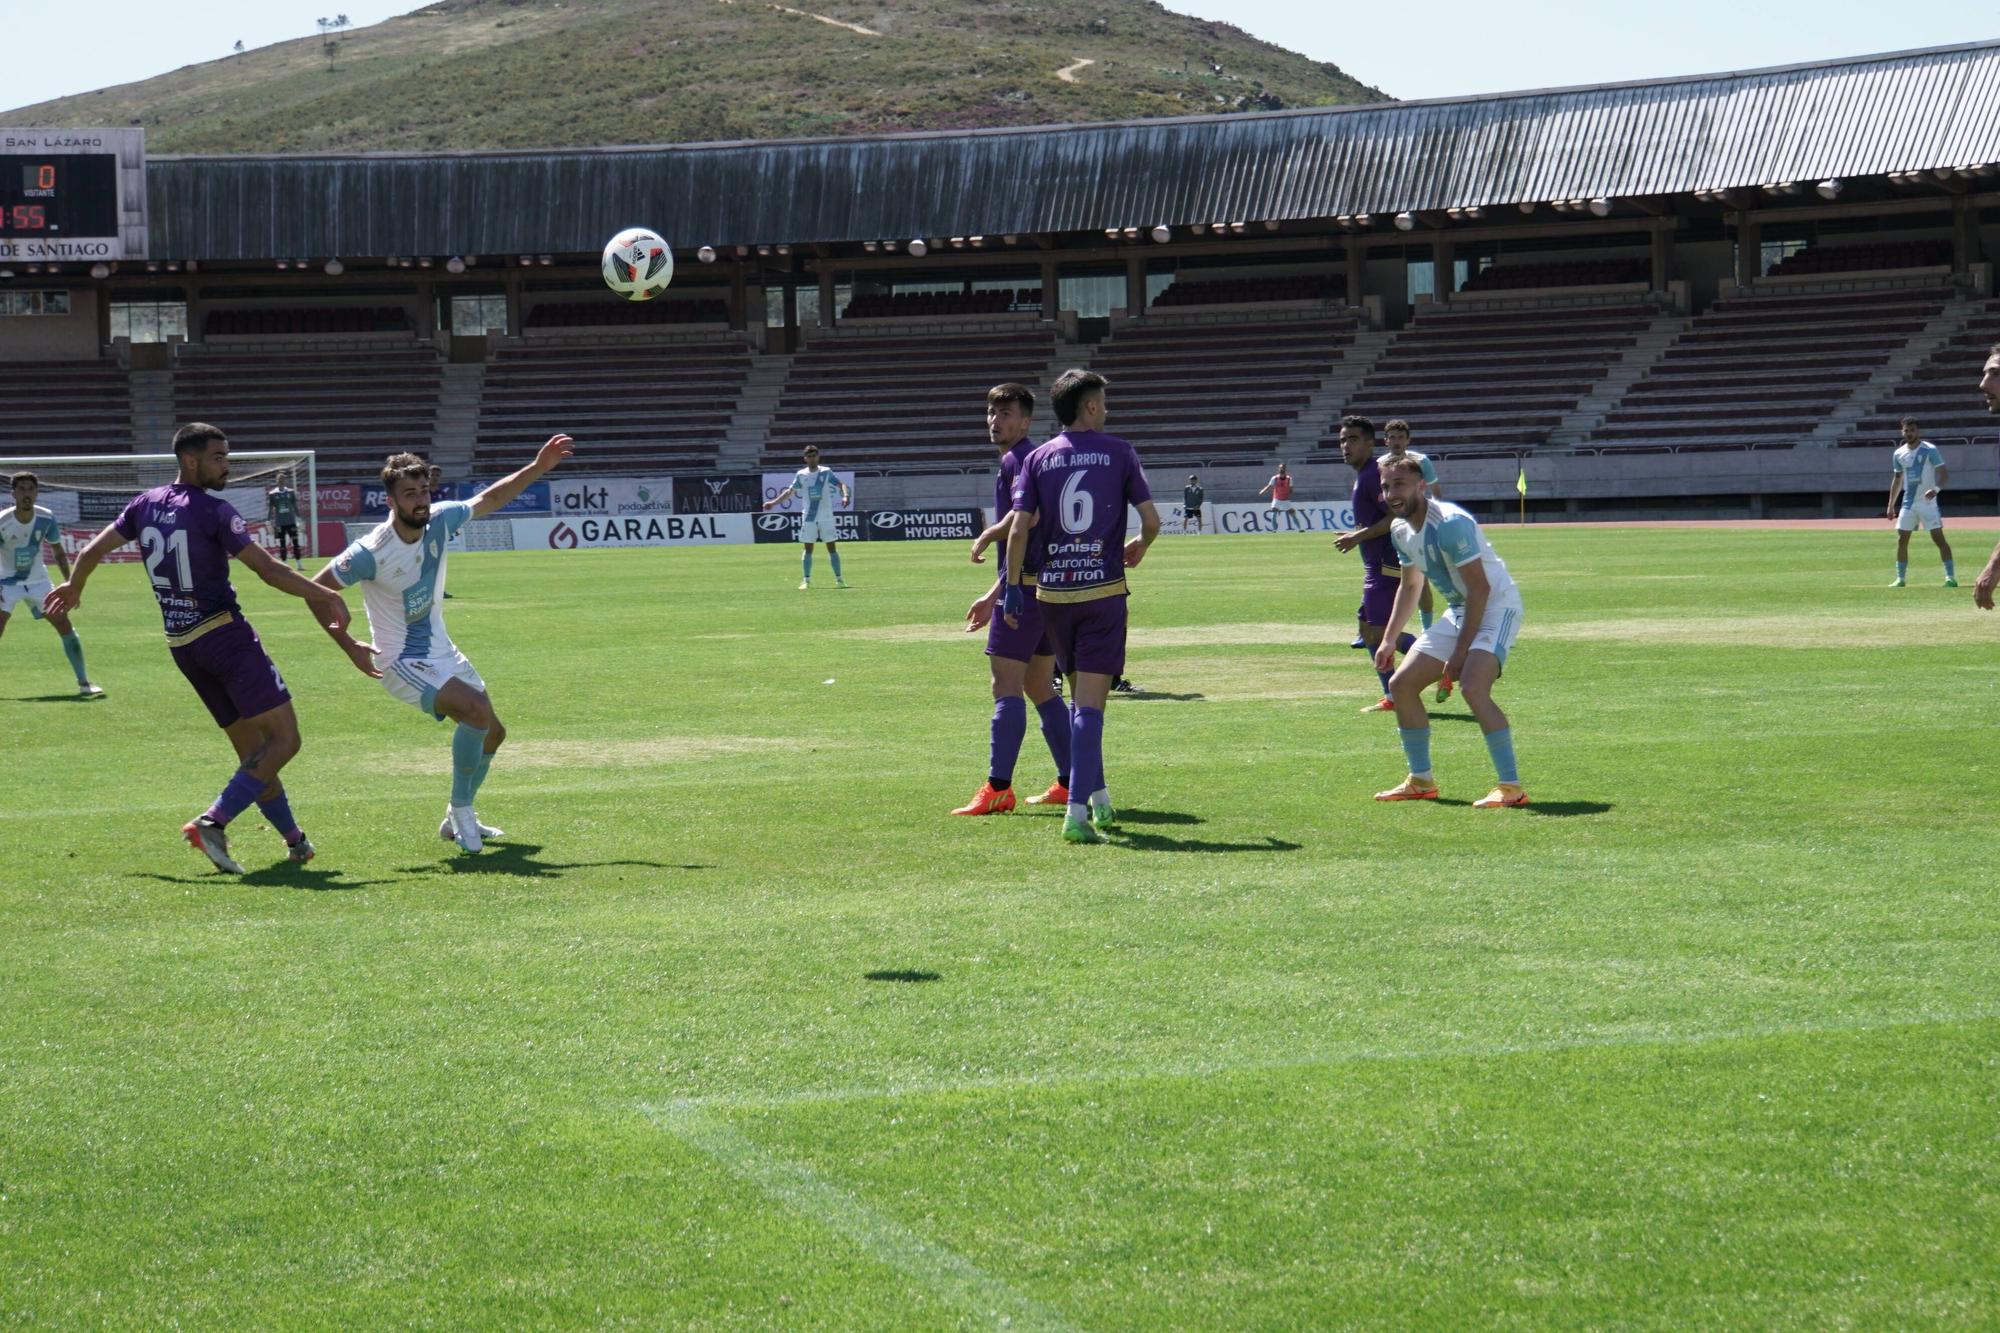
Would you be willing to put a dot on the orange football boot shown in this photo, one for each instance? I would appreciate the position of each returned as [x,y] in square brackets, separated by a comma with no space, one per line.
[1409,789]
[1384,705]
[1503,794]
[986,801]
[1057,794]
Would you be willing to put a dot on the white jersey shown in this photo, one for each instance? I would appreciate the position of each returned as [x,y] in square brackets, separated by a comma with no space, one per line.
[816,489]
[403,584]
[21,544]
[1918,467]
[1449,540]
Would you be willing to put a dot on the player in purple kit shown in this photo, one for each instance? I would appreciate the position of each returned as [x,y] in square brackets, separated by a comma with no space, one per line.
[186,538]
[1069,526]
[1021,657]
[1381,572]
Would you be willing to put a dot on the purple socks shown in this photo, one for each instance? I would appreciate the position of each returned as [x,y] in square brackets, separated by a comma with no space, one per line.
[1010,724]
[236,797]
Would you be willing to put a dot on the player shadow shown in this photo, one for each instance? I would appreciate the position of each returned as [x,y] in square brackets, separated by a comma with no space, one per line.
[905,975]
[1142,695]
[1569,809]
[1160,842]
[60,698]
[1129,816]
[518,858]
[283,875]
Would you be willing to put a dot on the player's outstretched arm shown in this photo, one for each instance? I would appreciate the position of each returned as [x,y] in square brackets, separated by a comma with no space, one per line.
[780,497]
[503,492]
[361,654]
[1149,529]
[69,594]
[327,605]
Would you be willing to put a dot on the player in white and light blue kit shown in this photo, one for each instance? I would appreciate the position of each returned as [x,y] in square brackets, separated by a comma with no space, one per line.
[1917,475]
[400,566]
[815,487]
[24,579]
[1441,543]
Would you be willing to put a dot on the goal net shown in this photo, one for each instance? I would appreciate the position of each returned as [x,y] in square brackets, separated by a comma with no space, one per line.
[87,492]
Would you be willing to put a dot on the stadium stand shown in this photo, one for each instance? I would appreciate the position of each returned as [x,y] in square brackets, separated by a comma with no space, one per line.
[1936,392]
[1475,380]
[1860,258]
[908,401]
[1764,371]
[65,407]
[1251,291]
[246,323]
[624,314]
[928,305]
[1208,390]
[645,406]
[1588,273]
[353,402]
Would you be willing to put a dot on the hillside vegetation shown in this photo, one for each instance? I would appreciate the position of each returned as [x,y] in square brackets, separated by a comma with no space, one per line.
[541,73]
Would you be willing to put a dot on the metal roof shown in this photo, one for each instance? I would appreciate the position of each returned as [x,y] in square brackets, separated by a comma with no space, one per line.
[1909,110]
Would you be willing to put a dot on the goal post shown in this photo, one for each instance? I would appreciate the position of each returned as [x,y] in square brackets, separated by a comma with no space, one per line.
[89,490]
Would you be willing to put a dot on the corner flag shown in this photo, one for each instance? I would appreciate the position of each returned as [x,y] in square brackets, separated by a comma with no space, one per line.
[1521,481]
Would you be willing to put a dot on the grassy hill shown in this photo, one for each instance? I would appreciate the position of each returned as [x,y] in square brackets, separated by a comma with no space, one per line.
[544,73]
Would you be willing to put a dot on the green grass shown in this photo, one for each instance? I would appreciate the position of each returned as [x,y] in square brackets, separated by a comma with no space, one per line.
[1707,1037]
[547,73]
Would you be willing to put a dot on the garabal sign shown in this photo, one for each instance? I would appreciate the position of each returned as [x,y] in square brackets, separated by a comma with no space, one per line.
[918,525]
[571,533]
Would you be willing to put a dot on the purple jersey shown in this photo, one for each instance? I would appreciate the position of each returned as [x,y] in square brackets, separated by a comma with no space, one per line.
[1003,502]
[1369,510]
[186,537]
[1078,486]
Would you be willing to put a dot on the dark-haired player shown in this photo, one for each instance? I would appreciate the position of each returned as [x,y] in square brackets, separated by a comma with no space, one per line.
[1381,571]
[186,538]
[1989,386]
[1020,656]
[24,579]
[1917,476]
[1069,526]
[282,504]
[400,565]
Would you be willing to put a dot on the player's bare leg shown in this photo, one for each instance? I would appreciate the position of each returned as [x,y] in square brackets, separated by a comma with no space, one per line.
[806,565]
[1944,553]
[1482,669]
[478,737]
[833,558]
[72,649]
[1902,558]
[264,744]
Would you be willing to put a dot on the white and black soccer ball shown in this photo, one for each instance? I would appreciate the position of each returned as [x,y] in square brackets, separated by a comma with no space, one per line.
[638,264]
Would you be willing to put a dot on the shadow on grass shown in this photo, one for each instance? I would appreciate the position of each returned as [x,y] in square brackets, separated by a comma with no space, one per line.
[284,875]
[1126,816]
[1569,809]
[60,698]
[1140,696]
[901,974]
[518,858]
[1160,842]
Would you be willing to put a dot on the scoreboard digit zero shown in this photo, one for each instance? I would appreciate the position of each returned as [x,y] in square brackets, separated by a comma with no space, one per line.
[72,195]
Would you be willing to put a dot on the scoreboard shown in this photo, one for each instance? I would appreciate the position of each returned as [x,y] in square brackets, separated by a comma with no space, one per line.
[77,195]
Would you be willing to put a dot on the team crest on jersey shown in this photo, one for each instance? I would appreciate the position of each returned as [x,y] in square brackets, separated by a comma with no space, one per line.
[236,525]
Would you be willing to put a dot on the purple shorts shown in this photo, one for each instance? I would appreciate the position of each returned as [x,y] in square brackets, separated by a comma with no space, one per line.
[1088,636]
[1378,594]
[1018,645]
[232,673]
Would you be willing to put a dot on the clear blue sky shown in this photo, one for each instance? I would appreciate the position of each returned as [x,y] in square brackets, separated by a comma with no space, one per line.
[1440,49]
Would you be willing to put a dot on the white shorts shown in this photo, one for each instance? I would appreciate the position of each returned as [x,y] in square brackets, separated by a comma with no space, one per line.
[1919,513]
[821,529]
[417,680]
[31,591]
[1280,507]
[1496,635]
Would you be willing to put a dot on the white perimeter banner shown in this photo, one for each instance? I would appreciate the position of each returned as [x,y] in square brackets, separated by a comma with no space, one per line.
[606,496]
[1310,516]
[775,482]
[580,533]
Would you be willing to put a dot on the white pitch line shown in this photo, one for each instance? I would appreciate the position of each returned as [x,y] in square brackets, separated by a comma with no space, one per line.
[694,1106]
[941,1271]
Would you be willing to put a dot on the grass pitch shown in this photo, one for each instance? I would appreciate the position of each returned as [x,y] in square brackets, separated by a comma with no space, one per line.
[739,1030]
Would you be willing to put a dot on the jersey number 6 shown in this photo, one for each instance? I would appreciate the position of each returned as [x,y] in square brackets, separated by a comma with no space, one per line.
[1078,506]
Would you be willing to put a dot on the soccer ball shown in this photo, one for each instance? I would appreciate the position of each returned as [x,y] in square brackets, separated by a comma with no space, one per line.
[638,264]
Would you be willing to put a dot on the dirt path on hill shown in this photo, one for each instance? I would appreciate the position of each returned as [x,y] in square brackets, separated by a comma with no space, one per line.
[1069,72]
